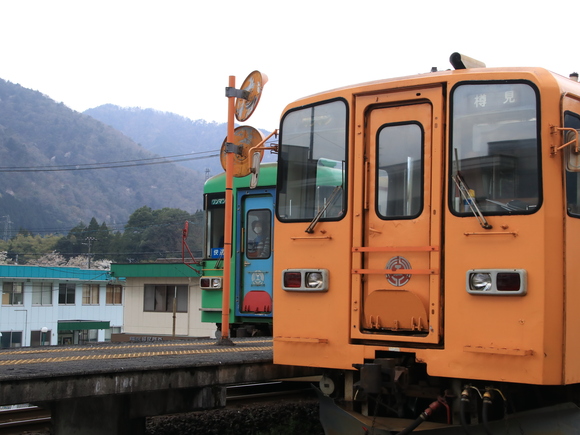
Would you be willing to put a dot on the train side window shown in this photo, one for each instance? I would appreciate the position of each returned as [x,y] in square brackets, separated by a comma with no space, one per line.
[495,148]
[572,120]
[399,176]
[214,225]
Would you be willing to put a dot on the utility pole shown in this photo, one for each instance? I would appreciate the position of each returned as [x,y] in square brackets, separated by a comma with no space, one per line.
[89,240]
[7,227]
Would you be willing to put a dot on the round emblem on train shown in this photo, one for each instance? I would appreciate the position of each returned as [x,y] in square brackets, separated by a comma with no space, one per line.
[394,264]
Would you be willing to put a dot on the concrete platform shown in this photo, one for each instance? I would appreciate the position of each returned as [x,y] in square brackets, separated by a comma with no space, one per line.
[111,388]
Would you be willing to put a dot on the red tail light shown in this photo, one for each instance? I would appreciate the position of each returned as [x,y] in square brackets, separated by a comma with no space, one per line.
[508,281]
[292,279]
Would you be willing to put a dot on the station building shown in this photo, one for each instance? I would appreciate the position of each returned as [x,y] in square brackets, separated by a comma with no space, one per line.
[58,305]
[162,301]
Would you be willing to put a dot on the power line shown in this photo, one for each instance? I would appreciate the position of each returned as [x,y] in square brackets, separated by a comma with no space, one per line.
[112,165]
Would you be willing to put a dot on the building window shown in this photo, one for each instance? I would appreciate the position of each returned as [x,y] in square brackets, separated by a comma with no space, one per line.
[66,294]
[160,298]
[114,294]
[111,331]
[11,339]
[12,293]
[42,293]
[39,338]
[91,294]
[88,336]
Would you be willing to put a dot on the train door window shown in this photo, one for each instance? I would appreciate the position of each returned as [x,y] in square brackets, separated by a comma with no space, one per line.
[311,163]
[258,234]
[399,175]
[495,157]
[214,229]
[572,120]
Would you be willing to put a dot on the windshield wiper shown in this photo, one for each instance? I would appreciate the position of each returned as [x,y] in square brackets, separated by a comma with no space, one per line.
[329,201]
[468,197]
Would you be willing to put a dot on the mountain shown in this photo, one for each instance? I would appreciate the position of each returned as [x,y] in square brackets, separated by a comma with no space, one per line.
[168,134]
[45,184]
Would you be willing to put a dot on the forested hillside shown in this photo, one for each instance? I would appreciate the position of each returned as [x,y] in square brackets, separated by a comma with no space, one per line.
[168,134]
[47,180]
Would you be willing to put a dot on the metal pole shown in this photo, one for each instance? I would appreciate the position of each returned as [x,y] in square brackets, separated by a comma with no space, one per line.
[225,340]
[174,309]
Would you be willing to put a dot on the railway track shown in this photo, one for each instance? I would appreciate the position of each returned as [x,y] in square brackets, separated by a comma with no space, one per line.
[32,419]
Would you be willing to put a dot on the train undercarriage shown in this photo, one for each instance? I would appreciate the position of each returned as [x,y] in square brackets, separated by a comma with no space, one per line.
[391,396]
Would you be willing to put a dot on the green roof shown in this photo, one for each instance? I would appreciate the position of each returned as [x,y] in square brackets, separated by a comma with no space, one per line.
[80,325]
[159,270]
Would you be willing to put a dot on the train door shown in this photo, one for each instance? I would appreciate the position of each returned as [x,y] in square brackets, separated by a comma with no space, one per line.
[254,277]
[399,251]
[571,106]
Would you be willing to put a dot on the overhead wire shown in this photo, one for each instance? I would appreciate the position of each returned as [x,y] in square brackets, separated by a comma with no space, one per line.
[112,165]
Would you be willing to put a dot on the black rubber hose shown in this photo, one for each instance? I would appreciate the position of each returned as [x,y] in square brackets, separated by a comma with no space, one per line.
[414,425]
[462,414]
[485,415]
[424,416]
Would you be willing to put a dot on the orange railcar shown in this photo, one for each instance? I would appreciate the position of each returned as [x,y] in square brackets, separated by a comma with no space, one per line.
[427,234]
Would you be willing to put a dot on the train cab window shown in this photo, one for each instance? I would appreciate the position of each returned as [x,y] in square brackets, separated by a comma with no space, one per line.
[494,150]
[311,163]
[399,177]
[572,120]
[214,225]
[258,234]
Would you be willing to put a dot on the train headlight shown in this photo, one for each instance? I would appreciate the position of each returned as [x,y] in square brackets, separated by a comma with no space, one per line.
[314,280]
[210,283]
[497,282]
[305,280]
[480,281]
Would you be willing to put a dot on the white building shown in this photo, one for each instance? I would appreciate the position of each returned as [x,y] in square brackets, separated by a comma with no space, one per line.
[58,305]
[150,292]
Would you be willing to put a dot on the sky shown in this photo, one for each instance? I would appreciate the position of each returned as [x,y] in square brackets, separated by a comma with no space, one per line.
[177,55]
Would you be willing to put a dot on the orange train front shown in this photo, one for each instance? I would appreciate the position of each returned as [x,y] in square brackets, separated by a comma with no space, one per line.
[426,236]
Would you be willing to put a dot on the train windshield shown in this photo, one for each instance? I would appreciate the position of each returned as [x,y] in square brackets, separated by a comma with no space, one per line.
[495,164]
[311,163]
[214,225]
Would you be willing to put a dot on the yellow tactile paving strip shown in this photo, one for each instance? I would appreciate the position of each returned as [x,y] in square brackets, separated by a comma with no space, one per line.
[249,346]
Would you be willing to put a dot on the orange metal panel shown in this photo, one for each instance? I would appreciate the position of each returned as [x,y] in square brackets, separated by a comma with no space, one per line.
[512,339]
[572,275]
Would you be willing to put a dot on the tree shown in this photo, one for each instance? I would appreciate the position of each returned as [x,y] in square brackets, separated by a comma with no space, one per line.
[151,234]
[26,248]
[53,259]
